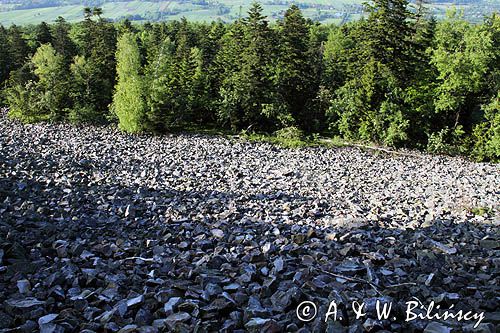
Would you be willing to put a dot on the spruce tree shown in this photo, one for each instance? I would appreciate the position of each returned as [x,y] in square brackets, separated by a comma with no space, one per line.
[370,106]
[160,93]
[5,61]
[198,98]
[96,39]
[43,34]
[388,37]
[210,46]
[45,98]
[227,65]
[62,42]
[247,95]
[295,78]
[81,92]
[126,26]
[18,47]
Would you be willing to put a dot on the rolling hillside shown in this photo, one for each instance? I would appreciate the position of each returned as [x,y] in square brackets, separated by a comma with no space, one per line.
[328,11]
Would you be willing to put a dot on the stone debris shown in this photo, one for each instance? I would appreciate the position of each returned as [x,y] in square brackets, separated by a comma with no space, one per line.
[106,232]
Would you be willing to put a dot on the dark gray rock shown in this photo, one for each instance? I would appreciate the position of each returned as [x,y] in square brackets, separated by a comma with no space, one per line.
[195,233]
[259,325]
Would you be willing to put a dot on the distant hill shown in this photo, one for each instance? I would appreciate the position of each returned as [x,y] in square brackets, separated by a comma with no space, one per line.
[331,11]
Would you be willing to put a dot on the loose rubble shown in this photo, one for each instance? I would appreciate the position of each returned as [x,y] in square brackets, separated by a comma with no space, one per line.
[106,232]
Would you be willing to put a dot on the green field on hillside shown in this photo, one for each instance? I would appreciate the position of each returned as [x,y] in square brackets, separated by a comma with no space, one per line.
[336,11]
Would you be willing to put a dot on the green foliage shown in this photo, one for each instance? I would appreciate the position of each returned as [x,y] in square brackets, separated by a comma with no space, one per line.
[370,105]
[336,50]
[52,80]
[247,92]
[43,34]
[5,62]
[462,57]
[128,99]
[395,78]
[18,47]
[159,74]
[288,137]
[486,135]
[387,37]
[177,94]
[447,141]
[368,108]
[482,211]
[23,103]
[61,41]
[44,99]
[96,42]
[294,74]
[81,92]
[290,133]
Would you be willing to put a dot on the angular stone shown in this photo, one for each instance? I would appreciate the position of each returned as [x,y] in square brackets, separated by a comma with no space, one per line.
[177,318]
[260,325]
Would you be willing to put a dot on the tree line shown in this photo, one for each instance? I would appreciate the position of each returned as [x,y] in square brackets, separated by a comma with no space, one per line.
[397,77]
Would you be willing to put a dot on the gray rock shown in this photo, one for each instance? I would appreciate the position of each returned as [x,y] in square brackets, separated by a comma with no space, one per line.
[6,321]
[437,328]
[23,286]
[177,318]
[47,319]
[217,233]
[128,329]
[282,300]
[270,226]
[25,304]
[172,305]
[135,301]
[258,325]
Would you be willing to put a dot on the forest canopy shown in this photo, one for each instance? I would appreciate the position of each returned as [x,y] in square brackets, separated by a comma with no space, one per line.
[396,78]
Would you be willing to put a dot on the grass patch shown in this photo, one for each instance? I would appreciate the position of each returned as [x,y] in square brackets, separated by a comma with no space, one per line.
[291,137]
[481,211]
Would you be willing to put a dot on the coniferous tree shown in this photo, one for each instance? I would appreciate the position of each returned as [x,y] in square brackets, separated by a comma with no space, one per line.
[189,79]
[126,27]
[295,78]
[336,50]
[97,43]
[247,94]
[388,38]
[80,91]
[18,48]
[211,45]
[45,98]
[5,61]
[198,97]
[62,42]
[160,93]
[316,108]
[43,34]
[226,67]
[177,94]
[375,76]
[19,52]
[420,94]
[370,105]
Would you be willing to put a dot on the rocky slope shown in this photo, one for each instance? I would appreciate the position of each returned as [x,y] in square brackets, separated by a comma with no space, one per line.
[101,231]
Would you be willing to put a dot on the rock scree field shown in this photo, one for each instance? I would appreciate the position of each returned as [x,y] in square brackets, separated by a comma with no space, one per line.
[102,231]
